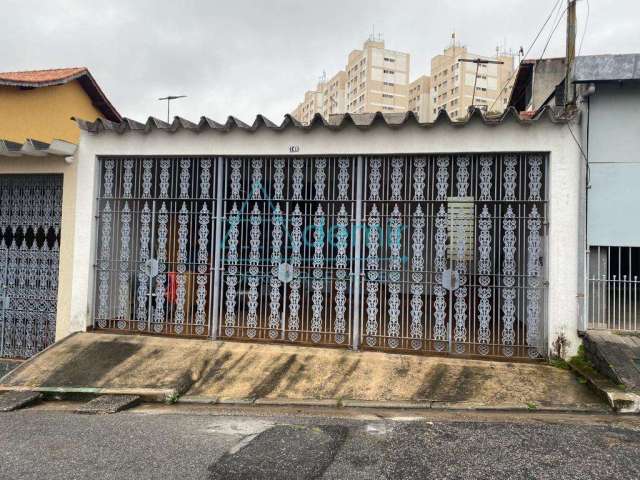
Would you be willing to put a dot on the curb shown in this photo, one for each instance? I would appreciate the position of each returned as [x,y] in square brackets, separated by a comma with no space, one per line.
[398,405]
[148,394]
[619,401]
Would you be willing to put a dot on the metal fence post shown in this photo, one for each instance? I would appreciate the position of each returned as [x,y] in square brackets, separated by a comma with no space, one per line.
[357,264]
[215,312]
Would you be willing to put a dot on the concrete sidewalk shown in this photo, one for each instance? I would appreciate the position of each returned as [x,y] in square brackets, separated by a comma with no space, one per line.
[248,372]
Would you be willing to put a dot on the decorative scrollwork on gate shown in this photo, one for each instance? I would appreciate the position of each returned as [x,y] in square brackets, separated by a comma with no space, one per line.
[373,275]
[201,279]
[484,279]
[535,178]
[277,221]
[321,178]
[486,174]
[419,177]
[462,176]
[30,209]
[296,262]
[534,272]
[508,281]
[317,283]
[440,263]
[143,256]
[342,272]
[417,277]
[442,178]
[343,179]
[181,280]
[231,277]
[510,174]
[254,270]
[161,278]
[395,264]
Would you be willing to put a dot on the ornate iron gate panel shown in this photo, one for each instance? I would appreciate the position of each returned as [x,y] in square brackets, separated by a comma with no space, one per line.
[288,249]
[155,245]
[30,215]
[403,252]
[453,254]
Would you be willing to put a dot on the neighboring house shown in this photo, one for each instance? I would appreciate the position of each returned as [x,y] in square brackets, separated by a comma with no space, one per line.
[610,90]
[362,231]
[608,95]
[538,83]
[37,201]
[38,104]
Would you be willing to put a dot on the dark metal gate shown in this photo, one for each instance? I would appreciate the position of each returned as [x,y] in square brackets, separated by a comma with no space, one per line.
[156,245]
[30,214]
[403,252]
[288,263]
[453,254]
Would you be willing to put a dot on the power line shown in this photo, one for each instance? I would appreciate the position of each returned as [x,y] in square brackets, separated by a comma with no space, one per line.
[526,54]
[584,32]
[559,17]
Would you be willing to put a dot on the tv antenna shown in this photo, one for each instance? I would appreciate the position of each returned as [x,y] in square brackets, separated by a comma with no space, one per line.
[168,99]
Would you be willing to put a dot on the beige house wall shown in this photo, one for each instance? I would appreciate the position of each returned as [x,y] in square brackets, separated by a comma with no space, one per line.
[55,165]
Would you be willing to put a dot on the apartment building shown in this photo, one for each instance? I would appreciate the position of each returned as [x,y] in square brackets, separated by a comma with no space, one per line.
[420,98]
[453,82]
[328,98]
[375,79]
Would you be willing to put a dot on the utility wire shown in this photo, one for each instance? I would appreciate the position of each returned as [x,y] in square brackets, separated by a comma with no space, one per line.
[555,6]
[559,17]
[586,25]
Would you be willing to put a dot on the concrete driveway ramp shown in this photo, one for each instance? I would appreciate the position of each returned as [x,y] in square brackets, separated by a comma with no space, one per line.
[157,368]
[260,371]
[151,367]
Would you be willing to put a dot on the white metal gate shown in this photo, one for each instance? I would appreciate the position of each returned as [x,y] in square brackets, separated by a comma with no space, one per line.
[401,252]
[30,214]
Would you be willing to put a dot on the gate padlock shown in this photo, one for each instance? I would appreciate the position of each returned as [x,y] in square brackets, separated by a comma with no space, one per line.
[285,272]
[151,267]
[450,280]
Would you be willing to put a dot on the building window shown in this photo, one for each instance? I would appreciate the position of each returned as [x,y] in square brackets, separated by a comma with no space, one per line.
[389,84]
[390,72]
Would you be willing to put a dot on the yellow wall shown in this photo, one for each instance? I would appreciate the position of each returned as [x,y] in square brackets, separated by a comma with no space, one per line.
[29,165]
[44,113]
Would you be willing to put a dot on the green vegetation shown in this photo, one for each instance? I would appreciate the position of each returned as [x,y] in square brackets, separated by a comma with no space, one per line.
[559,363]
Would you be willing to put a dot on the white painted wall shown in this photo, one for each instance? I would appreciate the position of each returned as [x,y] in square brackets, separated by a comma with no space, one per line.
[543,136]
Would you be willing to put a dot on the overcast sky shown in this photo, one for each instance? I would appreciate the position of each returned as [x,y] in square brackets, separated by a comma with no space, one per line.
[244,57]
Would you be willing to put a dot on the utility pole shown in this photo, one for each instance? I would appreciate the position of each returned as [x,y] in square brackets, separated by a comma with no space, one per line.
[569,97]
[478,62]
[168,99]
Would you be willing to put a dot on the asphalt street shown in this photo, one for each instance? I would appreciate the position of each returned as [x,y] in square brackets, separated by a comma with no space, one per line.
[51,442]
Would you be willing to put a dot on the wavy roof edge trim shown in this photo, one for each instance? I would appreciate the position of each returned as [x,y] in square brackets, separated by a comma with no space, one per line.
[37,148]
[337,122]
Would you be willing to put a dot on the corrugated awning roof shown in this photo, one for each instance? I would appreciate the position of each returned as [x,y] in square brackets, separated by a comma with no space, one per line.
[60,76]
[607,68]
[336,122]
[36,148]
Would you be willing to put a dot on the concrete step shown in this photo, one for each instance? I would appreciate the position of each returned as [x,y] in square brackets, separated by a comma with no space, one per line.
[105,404]
[14,400]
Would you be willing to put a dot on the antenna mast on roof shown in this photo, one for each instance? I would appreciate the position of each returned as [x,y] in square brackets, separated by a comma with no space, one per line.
[168,99]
